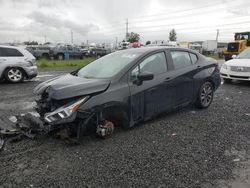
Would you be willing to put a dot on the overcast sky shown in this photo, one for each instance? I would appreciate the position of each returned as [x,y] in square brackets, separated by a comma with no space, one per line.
[104,20]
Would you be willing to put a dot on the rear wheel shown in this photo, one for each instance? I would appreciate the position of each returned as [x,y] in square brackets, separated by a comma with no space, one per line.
[14,75]
[82,56]
[227,80]
[205,95]
[60,57]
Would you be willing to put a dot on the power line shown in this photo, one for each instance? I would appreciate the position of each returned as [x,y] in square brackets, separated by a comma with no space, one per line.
[168,14]
[171,12]
[145,29]
[174,17]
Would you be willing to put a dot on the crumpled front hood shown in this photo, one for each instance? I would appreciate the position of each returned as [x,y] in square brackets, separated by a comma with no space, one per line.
[69,86]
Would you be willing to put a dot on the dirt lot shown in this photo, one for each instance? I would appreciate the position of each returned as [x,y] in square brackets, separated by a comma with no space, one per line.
[189,148]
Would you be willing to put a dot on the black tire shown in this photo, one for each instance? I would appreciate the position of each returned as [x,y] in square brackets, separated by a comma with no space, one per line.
[205,95]
[14,75]
[45,56]
[82,56]
[227,80]
[60,57]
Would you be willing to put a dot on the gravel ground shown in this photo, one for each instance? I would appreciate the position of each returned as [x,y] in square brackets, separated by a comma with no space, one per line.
[189,148]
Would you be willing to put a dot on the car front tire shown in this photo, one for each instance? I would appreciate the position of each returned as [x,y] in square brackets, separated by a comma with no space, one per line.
[205,95]
[14,75]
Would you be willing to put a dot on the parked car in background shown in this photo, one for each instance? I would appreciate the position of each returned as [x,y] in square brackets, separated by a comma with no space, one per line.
[99,52]
[136,44]
[40,51]
[237,68]
[124,45]
[127,87]
[60,51]
[16,64]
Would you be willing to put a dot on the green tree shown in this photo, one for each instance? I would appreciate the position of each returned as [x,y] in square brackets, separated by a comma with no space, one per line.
[172,35]
[133,37]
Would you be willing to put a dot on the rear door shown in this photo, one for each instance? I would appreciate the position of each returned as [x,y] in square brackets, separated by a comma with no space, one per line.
[185,68]
[154,96]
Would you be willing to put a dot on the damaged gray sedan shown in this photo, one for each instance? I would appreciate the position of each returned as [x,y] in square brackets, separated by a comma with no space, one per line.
[125,88]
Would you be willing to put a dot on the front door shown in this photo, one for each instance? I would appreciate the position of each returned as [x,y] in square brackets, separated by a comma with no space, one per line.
[153,96]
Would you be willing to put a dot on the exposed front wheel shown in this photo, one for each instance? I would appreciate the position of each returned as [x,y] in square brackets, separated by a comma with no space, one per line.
[205,95]
[14,75]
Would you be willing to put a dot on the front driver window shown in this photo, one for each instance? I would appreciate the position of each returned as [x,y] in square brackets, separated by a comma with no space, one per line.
[155,64]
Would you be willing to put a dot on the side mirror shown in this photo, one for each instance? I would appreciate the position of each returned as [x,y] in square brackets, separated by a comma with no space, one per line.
[234,56]
[143,77]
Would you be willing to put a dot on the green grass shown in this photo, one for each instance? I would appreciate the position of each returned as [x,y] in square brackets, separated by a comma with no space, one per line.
[78,63]
[215,56]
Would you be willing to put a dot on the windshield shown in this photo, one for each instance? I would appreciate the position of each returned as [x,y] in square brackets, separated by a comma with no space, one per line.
[108,66]
[244,55]
[241,36]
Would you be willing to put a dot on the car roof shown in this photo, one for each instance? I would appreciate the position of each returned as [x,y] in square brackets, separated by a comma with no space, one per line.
[148,49]
[8,46]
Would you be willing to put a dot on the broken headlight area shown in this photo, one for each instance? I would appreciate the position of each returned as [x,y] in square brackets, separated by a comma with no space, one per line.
[64,114]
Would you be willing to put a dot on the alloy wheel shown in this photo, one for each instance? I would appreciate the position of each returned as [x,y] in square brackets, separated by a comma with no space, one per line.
[206,94]
[15,75]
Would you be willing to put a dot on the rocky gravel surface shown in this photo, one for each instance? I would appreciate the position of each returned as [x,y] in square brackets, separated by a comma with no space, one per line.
[188,148]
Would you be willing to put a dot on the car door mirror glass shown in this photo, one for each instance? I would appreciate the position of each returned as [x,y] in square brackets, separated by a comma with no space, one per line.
[144,76]
[140,77]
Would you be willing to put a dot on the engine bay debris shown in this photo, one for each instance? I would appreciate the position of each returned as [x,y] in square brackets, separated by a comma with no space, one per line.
[14,128]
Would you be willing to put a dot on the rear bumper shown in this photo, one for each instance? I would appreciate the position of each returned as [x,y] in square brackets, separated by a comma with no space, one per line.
[31,72]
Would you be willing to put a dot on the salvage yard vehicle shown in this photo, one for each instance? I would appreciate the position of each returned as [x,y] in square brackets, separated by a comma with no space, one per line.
[59,51]
[16,64]
[127,87]
[237,68]
[242,42]
[40,51]
[99,52]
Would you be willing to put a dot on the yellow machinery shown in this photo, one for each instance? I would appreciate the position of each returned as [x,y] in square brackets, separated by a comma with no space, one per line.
[242,41]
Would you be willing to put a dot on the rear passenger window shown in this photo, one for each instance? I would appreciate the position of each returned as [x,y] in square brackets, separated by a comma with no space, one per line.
[194,58]
[181,59]
[10,52]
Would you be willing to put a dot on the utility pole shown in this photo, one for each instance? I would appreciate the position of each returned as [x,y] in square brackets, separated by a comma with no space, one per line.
[116,40]
[45,38]
[127,30]
[217,35]
[72,37]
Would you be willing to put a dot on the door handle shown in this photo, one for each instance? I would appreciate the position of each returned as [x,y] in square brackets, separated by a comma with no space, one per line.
[152,90]
[168,79]
[198,66]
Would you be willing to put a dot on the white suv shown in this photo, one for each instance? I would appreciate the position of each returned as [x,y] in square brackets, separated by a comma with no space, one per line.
[16,64]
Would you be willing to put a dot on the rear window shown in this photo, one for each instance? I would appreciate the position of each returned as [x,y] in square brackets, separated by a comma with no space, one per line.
[10,52]
[181,59]
[194,58]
